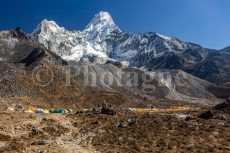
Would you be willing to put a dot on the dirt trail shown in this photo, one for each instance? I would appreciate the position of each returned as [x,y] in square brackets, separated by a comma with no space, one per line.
[35,133]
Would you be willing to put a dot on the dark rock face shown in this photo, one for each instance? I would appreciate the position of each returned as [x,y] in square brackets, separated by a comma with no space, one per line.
[220,110]
[117,64]
[35,54]
[228,100]
[15,45]
[225,106]
[215,68]
[18,33]
[222,91]
[206,115]
[168,61]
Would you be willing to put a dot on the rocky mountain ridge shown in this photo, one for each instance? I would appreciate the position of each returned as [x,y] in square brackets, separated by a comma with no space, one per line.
[103,40]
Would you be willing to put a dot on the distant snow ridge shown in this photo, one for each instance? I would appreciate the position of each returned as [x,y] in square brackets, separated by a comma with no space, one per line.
[102,40]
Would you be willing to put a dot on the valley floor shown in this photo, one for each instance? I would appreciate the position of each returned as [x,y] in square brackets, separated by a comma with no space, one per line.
[112,130]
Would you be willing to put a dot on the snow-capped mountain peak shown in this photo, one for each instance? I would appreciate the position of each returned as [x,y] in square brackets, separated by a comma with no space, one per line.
[100,26]
[103,16]
[101,20]
[78,45]
[47,27]
[55,38]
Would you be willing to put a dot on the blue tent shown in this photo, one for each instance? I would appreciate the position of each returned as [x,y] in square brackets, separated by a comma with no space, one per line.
[39,112]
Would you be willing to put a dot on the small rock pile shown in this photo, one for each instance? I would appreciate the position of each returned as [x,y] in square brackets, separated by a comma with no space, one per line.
[105,109]
[221,108]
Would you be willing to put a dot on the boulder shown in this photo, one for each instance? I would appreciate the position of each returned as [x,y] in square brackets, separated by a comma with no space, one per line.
[224,106]
[41,142]
[121,124]
[107,111]
[206,115]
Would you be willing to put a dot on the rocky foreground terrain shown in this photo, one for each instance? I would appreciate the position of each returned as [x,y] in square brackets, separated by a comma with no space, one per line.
[109,130]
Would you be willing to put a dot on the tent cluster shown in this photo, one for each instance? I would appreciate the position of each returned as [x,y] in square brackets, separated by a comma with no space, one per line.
[49,111]
[158,110]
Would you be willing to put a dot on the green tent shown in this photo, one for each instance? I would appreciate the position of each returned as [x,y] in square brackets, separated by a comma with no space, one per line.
[57,111]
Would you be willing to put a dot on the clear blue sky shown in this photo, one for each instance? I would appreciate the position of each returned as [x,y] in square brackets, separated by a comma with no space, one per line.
[206,22]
